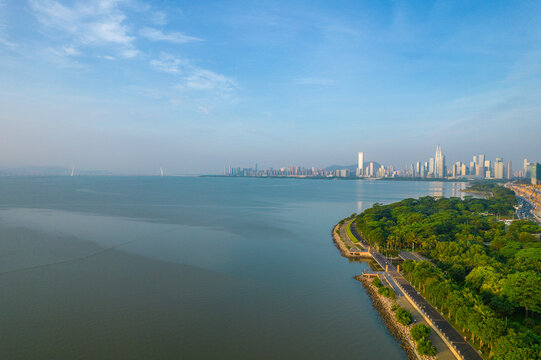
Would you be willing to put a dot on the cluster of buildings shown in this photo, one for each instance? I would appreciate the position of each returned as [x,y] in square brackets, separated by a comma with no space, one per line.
[435,168]
[478,167]
[288,171]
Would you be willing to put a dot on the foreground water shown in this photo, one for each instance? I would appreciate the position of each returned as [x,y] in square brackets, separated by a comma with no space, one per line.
[170,268]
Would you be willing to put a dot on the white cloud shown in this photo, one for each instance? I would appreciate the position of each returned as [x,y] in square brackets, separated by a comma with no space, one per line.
[65,51]
[202,79]
[87,23]
[192,77]
[168,63]
[174,37]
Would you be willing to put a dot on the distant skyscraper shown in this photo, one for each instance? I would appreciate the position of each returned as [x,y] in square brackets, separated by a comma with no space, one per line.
[480,166]
[473,166]
[498,169]
[431,166]
[509,170]
[439,163]
[527,168]
[360,163]
[536,173]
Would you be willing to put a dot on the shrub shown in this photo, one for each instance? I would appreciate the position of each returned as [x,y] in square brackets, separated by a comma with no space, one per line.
[385,291]
[425,347]
[403,316]
[377,282]
[394,307]
[419,331]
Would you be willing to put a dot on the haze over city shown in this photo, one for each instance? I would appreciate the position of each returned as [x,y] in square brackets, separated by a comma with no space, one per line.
[132,86]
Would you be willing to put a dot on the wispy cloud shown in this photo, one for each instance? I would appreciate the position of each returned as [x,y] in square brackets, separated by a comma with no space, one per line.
[3,27]
[168,63]
[92,23]
[193,77]
[203,79]
[65,51]
[174,37]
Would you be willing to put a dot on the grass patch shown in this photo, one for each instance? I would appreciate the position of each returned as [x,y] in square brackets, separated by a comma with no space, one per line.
[350,235]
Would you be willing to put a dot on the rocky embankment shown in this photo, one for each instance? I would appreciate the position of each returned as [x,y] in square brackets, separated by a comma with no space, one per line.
[401,332]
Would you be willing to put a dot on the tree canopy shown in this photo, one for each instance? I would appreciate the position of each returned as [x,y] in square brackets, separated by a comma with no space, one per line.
[482,273]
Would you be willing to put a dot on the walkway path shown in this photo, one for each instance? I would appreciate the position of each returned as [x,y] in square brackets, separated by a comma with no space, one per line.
[449,334]
[344,234]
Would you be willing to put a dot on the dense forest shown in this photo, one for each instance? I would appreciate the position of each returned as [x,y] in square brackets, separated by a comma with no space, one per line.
[483,274]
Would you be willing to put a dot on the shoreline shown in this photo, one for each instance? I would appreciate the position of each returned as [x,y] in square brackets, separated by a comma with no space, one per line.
[383,305]
[341,245]
[400,332]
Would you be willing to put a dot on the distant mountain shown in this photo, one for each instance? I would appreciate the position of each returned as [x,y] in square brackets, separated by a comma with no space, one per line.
[351,167]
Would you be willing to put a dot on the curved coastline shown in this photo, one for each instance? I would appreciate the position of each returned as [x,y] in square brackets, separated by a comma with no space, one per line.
[382,304]
[383,307]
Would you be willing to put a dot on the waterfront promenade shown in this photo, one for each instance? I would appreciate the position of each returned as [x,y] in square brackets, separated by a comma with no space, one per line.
[454,340]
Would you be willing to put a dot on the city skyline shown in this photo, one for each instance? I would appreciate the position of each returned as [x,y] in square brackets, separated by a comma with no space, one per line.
[480,167]
[131,86]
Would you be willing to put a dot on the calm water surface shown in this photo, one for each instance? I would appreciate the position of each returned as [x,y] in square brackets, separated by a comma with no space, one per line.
[185,268]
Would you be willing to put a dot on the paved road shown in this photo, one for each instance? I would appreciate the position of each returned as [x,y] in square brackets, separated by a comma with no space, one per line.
[408,255]
[445,328]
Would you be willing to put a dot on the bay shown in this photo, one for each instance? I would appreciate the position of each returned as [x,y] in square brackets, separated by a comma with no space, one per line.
[187,268]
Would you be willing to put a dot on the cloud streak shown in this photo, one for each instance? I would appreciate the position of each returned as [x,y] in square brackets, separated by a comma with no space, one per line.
[193,77]
[98,23]
[174,37]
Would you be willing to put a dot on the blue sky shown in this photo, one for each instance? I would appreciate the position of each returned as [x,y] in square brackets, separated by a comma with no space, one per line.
[131,86]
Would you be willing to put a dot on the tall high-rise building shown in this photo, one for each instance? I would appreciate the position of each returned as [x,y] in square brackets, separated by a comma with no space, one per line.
[536,173]
[360,163]
[498,169]
[480,166]
[509,170]
[431,166]
[473,166]
[527,168]
[439,163]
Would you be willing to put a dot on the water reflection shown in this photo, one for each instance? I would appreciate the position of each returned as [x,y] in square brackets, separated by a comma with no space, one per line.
[359,207]
[440,189]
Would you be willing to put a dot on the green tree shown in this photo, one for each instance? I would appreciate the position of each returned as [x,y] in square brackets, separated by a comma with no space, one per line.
[528,259]
[513,347]
[489,330]
[403,316]
[419,331]
[377,282]
[425,347]
[524,288]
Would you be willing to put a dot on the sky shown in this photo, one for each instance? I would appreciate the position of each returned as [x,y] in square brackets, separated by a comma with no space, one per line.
[130,86]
